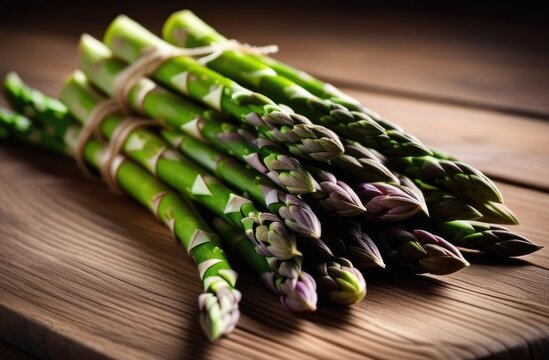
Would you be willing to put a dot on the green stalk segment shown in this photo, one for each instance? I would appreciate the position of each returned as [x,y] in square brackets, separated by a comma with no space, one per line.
[21,128]
[102,68]
[129,41]
[26,99]
[219,302]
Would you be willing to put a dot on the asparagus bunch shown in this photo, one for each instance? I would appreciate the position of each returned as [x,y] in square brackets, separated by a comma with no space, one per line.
[218,304]
[378,197]
[264,156]
[271,237]
[330,107]
[146,97]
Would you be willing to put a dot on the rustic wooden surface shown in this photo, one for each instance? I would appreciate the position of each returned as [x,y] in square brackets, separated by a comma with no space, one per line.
[88,274]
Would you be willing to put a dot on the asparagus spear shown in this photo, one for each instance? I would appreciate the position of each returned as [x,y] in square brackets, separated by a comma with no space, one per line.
[444,206]
[347,239]
[297,215]
[492,239]
[102,68]
[335,196]
[340,281]
[335,110]
[128,40]
[390,202]
[187,30]
[494,212]
[23,98]
[417,251]
[363,164]
[218,304]
[305,288]
[337,279]
[459,178]
[19,127]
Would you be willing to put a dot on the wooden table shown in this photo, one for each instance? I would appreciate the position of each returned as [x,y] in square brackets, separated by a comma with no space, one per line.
[88,274]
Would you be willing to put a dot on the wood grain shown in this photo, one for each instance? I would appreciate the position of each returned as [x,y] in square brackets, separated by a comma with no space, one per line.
[88,274]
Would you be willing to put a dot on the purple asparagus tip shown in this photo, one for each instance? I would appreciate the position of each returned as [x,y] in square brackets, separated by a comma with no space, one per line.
[388,202]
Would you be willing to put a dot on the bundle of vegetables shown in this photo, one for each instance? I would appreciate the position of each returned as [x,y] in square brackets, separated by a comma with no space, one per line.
[308,187]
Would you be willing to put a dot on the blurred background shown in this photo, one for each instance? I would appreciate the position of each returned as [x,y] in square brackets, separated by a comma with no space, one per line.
[474,53]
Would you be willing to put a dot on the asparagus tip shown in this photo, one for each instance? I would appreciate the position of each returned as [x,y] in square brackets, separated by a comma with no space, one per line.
[219,312]
[341,282]
[299,294]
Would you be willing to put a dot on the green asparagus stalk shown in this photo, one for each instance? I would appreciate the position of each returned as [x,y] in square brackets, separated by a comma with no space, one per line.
[297,215]
[305,288]
[219,302]
[23,98]
[102,68]
[271,237]
[326,104]
[417,251]
[20,128]
[186,30]
[128,40]
[491,239]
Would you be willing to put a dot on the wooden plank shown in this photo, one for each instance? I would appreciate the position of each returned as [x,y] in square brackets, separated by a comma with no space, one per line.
[510,147]
[85,273]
